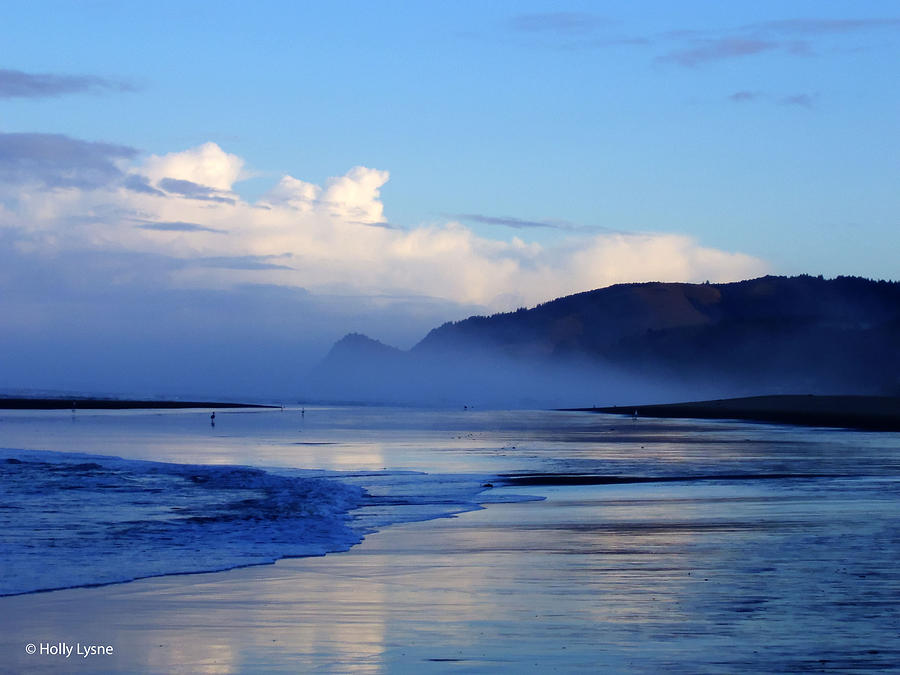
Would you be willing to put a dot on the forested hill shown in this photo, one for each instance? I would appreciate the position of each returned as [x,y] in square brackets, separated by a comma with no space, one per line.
[769,335]
[834,334]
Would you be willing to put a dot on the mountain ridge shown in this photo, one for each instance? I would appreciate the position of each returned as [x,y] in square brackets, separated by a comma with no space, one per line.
[771,334]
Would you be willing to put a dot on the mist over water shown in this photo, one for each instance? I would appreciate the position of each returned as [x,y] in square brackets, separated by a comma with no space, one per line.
[484,380]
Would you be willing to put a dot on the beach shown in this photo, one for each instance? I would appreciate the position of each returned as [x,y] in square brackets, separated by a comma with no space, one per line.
[765,574]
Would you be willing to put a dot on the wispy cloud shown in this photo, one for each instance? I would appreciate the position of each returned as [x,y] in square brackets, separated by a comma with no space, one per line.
[192,190]
[382,224]
[795,37]
[19,84]
[561,23]
[744,96]
[523,224]
[802,100]
[823,26]
[241,262]
[692,47]
[703,51]
[569,30]
[178,226]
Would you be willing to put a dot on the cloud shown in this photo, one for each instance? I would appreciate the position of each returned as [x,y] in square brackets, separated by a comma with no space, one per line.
[383,224]
[192,190]
[331,239]
[744,96]
[564,23]
[801,100]
[523,224]
[823,26]
[57,161]
[243,262]
[18,84]
[206,165]
[704,51]
[139,183]
[177,227]
[568,30]
[692,48]
[354,197]
[794,37]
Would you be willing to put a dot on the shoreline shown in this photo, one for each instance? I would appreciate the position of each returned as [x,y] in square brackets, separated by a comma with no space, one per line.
[871,413]
[80,403]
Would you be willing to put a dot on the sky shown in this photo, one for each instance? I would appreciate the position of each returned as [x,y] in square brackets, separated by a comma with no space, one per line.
[204,196]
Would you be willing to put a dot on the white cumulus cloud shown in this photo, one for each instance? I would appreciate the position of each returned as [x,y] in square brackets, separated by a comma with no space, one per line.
[322,238]
[206,165]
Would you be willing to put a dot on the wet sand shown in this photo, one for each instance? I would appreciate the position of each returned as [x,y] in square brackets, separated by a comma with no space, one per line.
[681,577]
[880,413]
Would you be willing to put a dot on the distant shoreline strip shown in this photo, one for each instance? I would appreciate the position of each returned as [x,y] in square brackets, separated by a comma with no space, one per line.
[591,479]
[113,404]
[872,413]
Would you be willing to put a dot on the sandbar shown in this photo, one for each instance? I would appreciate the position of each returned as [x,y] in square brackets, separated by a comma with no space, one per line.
[877,413]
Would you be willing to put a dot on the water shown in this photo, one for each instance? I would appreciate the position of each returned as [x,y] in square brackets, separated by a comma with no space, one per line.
[77,520]
[82,514]
[761,548]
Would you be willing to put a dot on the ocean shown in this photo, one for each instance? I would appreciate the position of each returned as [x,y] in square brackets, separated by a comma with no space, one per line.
[784,535]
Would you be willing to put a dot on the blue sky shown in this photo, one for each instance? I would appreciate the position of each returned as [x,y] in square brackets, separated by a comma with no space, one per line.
[508,152]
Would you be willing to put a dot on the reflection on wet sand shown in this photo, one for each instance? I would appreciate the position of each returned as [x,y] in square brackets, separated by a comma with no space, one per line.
[685,577]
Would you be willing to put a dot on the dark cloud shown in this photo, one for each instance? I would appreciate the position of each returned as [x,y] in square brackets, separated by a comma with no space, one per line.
[178,227]
[522,224]
[744,96]
[192,190]
[58,161]
[18,84]
[137,183]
